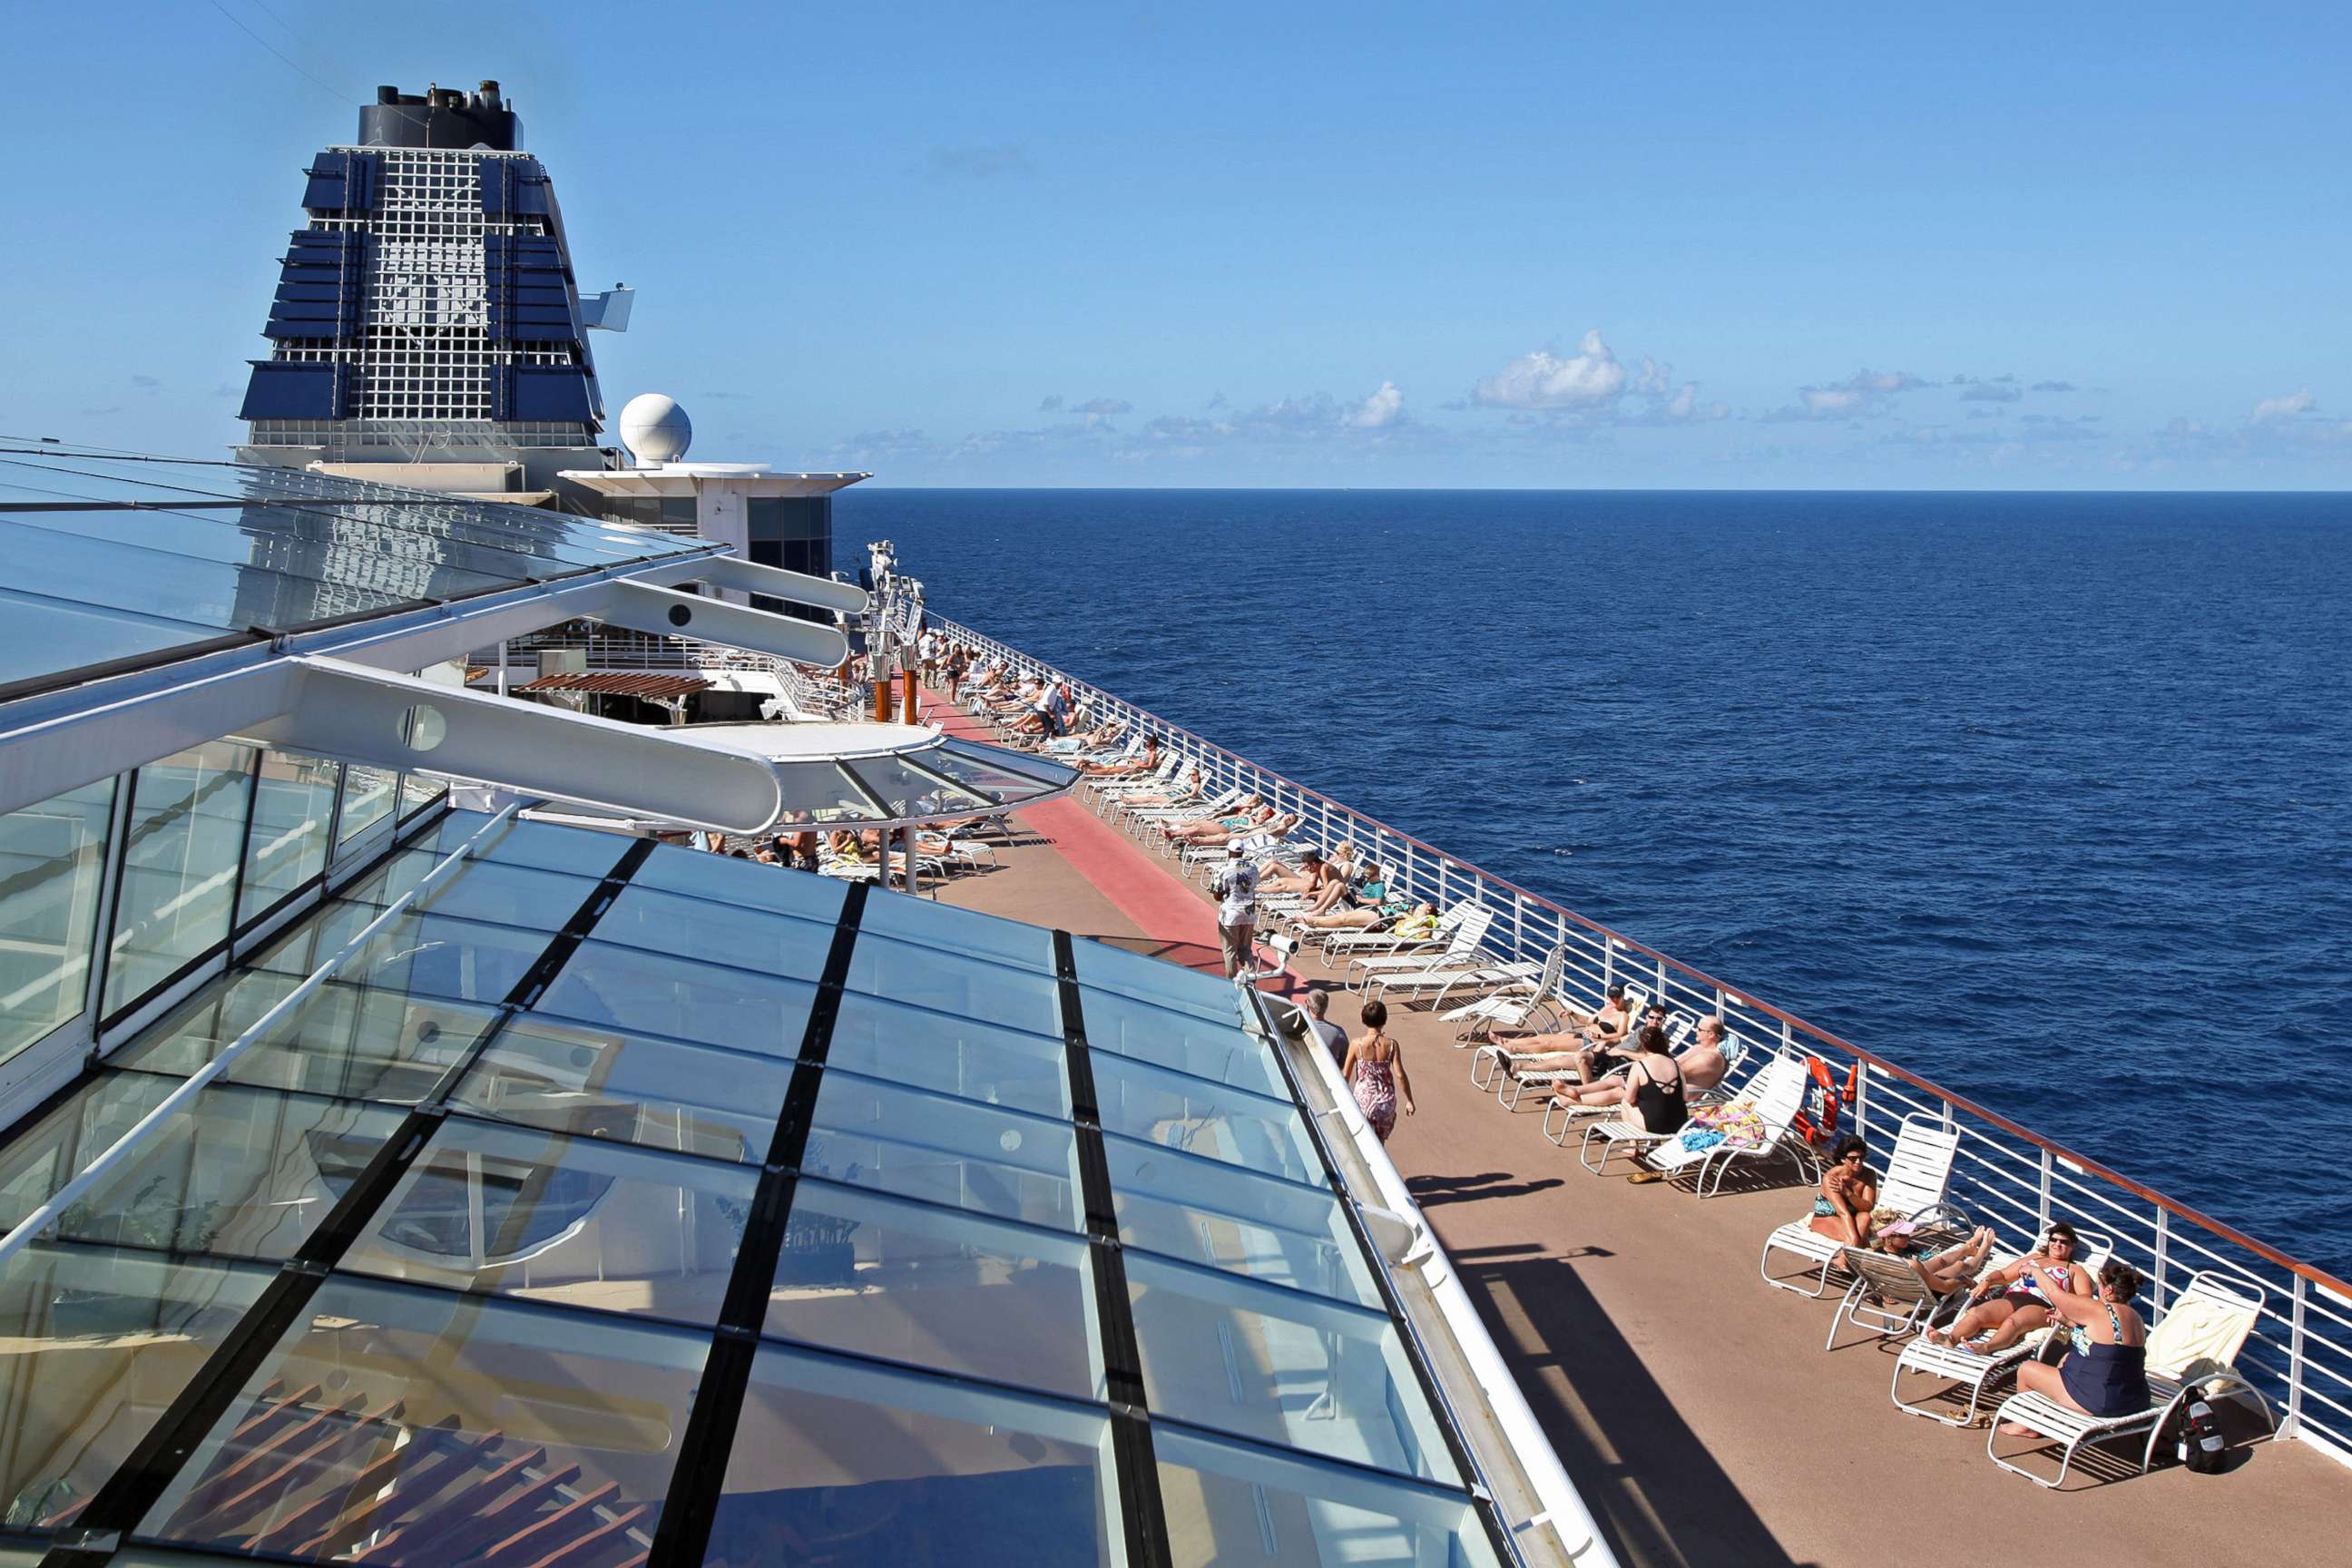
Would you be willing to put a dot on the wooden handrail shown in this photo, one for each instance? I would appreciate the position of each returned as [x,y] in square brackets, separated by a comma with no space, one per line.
[2263,1250]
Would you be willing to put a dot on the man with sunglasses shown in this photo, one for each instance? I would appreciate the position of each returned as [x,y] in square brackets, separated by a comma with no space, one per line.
[2009,1302]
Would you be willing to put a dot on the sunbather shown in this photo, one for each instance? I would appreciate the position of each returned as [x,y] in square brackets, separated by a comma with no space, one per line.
[1349,891]
[1251,816]
[1654,1099]
[2106,1369]
[1267,825]
[1590,1046]
[1093,740]
[1846,1208]
[1955,1266]
[2009,1302]
[1313,871]
[1703,1067]
[1143,762]
[1389,912]
[1187,790]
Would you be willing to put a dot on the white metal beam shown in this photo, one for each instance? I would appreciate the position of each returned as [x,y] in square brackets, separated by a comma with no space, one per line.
[666,612]
[794,587]
[364,715]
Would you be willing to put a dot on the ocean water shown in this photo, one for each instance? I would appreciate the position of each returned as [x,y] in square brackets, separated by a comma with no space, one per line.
[2047,797]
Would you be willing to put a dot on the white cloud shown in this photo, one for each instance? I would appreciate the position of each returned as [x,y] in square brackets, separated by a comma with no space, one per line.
[2286,407]
[1590,378]
[1051,405]
[1103,407]
[1683,406]
[1864,394]
[1384,407]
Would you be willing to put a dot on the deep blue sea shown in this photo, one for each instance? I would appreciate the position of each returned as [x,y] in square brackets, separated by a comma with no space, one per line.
[2048,797]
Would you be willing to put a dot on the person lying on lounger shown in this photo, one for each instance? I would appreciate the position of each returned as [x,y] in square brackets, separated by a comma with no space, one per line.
[1274,876]
[1143,762]
[1263,823]
[2009,1302]
[1955,1266]
[1187,790]
[1251,814]
[1350,889]
[1391,913]
[1589,1041]
[1094,740]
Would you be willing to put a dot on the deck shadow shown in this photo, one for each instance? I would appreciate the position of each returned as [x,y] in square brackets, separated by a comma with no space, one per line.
[1656,1493]
[1428,1191]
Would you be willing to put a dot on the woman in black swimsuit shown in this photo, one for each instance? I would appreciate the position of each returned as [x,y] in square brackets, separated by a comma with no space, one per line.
[2106,1369]
[1655,1083]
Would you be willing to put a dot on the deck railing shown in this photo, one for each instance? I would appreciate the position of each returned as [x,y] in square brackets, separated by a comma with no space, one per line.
[2300,1355]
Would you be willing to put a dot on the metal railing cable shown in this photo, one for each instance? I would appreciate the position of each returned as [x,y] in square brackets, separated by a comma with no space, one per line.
[2302,1346]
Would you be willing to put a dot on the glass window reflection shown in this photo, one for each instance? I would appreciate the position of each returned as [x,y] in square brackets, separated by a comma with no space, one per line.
[94,1344]
[293,802]
[427,1427]
[1182,1041]
[1281,1367]
[954,1055]
[52,860]
[572,1221]
[1199,1117]
[700,1003]
[240,1172]
[1226,1504]
[834,1461]
[635,1088]
[367,799]
[355,1042]
[179,878]
[936,1288]
[970,988]
[982,1158]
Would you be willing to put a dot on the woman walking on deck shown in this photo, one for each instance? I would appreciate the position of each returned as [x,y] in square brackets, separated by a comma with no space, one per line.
[1375,1068]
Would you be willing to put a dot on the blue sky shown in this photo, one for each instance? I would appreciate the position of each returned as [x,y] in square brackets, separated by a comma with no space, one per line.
[1549,245]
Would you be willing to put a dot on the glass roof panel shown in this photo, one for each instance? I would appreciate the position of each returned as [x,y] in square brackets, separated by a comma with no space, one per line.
[1223,1217]
[911,792]
[838,1461]
[719,933]
[118,575]
[437,955]
[99,1344]
[700,1003]
[477,889]
[964,760]
[966,932]
[519,843]
[946,982]
[1227,1503]
[322,545]
[954,1055]
[239,1172]
[1204,1118]
[455,1422]
[744,883]
[1282,1367]
[817,792]
[938,1289]
[1184,1041]
[571,1222]
[46,635]
[633,1088]
[985,1158]
[1156,981]
[351,1041]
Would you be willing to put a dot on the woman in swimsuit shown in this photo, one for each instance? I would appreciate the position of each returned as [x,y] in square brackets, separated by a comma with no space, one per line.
[2106,1369]
[2010,1300]
[1375,1067]
[1847,1204]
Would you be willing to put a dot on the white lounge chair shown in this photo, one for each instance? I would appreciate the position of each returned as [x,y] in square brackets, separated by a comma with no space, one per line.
[1513,1003]
[2192,1349]
[1495,1055]
[1956,1367]
[1356,942]
[1918,1173]
[1378,974]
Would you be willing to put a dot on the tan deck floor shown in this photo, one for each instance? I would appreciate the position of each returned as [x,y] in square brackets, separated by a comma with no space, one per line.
[1693,1406]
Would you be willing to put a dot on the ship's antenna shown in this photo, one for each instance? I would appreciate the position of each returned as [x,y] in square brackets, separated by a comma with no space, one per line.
[281,55]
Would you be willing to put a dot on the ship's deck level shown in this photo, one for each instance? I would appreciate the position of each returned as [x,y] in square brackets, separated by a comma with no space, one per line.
[1693,1406]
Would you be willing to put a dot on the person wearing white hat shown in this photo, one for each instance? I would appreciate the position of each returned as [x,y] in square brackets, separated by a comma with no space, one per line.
[1236,890]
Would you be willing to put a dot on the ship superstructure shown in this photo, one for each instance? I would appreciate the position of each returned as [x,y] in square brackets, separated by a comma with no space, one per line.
[429,314]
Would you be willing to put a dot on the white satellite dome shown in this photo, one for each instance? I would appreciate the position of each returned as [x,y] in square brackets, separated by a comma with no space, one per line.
[654,429]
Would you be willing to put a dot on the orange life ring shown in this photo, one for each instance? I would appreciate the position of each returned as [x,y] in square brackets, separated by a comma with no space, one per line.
[1819,1125]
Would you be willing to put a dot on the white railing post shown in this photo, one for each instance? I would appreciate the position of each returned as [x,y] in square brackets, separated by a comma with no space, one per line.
[2295,1360]
[2041,1220]
[1519,924]
[2163,1246]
